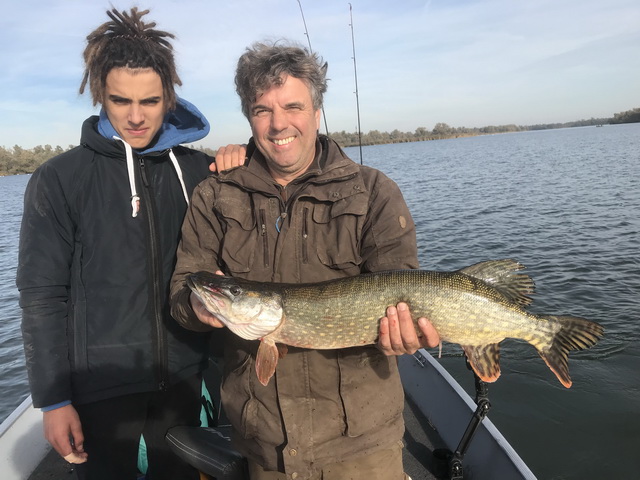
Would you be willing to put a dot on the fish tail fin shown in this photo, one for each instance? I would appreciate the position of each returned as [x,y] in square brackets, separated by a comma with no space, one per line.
[575,334]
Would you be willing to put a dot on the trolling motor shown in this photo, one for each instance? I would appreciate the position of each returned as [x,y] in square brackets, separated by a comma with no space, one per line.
[453,461]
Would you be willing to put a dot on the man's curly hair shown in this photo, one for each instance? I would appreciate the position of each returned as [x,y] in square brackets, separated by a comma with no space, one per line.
[267,64]
[128,42]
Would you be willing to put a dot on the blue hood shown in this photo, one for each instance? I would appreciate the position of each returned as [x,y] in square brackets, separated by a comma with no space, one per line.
[183,125]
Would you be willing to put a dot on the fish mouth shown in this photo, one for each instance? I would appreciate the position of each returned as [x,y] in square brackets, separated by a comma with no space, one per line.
[213,298]
[198,287]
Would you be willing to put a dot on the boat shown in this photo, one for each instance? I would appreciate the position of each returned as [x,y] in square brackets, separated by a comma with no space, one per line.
[22,443]
[448,435]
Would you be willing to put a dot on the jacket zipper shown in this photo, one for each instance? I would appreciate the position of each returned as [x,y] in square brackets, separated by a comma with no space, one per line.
[156,281]
[305,235]
[265,237]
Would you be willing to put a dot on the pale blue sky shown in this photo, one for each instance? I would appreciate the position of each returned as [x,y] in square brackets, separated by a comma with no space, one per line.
[466,63]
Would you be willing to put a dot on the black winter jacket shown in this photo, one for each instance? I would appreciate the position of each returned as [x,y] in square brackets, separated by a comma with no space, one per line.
[94,280]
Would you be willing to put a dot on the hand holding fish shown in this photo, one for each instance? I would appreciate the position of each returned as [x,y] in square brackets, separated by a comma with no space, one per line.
[204,315]
[398,334]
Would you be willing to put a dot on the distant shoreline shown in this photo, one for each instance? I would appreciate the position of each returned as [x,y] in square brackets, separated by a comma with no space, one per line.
[18,160]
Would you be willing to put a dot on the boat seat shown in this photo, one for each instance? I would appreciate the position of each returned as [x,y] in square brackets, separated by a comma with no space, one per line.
[209,450]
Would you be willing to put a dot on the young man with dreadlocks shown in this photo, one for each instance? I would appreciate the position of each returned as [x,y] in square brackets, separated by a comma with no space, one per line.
[101,224]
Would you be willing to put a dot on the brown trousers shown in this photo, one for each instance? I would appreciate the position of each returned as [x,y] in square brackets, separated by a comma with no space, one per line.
[381,465]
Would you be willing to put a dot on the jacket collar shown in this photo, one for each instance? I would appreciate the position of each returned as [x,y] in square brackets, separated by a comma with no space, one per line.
[331,164]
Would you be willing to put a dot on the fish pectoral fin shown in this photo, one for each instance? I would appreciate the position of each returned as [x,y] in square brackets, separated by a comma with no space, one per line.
[266,360]
[485,360]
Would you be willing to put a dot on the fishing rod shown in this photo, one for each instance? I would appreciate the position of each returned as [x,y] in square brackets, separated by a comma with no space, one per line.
[306,32]
[355,74]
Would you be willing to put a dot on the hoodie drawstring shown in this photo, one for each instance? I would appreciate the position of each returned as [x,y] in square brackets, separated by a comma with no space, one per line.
[135,198]
[176,165]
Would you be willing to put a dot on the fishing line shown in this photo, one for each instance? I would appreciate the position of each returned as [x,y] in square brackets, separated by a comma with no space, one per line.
[355,74]
[306,32]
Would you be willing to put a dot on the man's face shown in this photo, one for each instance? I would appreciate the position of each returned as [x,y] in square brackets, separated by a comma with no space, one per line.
[285,126]
[135,105]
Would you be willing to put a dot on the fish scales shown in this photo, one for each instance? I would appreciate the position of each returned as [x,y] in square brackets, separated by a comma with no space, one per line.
[347,313]
[476,307]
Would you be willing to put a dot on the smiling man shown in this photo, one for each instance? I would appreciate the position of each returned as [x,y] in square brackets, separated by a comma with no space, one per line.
[300,210]
[284,123]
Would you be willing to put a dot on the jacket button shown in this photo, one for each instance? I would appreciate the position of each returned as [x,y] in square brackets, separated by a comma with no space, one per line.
[293,452]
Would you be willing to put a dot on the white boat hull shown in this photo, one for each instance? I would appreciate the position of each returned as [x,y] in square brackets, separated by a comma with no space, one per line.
[22,443]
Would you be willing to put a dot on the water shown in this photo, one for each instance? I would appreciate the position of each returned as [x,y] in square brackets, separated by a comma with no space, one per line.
[566,204]
[13,380]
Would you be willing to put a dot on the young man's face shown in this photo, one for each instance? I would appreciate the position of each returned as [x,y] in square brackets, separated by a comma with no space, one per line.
[285,126]
[135,105]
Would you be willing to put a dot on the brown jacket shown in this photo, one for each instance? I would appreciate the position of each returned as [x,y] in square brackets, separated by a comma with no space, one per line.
[339,219]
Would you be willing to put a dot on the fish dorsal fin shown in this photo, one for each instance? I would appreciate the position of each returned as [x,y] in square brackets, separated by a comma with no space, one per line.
[485,360]
[500,274]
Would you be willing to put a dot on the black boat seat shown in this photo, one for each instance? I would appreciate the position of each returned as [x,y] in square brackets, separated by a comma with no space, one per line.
[209,450]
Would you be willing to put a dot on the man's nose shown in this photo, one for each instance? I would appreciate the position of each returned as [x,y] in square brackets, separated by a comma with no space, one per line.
[136,114]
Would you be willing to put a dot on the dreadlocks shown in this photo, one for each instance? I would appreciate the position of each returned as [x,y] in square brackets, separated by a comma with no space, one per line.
[128,42]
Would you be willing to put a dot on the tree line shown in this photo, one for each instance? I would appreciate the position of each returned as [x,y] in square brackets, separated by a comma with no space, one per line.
[442,130]
[18,160]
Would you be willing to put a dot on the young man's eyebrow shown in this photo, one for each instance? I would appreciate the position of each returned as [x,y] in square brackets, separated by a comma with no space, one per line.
[155,98]
[113,97]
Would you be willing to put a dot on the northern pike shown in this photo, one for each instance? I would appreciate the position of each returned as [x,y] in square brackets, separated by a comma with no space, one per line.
[476,307]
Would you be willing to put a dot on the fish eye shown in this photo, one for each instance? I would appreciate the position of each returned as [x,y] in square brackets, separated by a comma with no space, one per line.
[235,290]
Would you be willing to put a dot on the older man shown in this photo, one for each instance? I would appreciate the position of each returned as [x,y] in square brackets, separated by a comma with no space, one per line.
[300,210]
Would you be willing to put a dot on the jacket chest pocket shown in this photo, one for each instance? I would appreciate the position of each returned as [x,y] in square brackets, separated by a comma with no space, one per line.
[242,234]
[333,234]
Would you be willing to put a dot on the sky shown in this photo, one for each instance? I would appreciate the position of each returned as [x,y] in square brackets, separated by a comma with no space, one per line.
[470,63]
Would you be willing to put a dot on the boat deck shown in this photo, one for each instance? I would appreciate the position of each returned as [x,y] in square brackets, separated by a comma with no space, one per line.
[420,440]
[53,467]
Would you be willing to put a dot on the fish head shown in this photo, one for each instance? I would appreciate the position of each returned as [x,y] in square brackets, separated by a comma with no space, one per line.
[251,310]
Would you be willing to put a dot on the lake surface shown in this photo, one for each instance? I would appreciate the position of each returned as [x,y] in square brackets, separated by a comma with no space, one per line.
[565,203]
